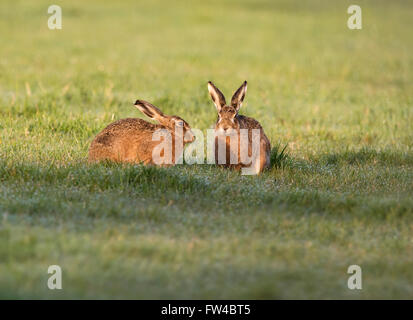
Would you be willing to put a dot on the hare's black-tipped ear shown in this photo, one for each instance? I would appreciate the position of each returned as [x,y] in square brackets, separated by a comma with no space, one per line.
[239,96]
[217,96]
[150,110]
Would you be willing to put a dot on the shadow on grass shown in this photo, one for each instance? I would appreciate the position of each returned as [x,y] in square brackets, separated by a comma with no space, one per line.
[203,188]
[366,155]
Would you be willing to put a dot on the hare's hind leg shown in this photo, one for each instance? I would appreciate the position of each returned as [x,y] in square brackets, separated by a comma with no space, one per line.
[264,159]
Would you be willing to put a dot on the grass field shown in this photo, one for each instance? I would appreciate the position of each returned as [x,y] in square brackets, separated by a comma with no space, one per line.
[342,99]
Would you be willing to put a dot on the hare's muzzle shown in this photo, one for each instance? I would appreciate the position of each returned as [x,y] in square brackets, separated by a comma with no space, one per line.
[189,136]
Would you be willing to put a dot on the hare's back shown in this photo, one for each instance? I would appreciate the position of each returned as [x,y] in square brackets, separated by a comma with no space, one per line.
[130,124]
[248,123]
[129,128]
[122,140]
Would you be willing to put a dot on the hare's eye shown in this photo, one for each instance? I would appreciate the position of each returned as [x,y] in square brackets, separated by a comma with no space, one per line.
[179,123]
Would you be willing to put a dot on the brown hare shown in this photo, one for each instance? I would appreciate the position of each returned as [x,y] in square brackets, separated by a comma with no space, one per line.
[229,123]
[132,139]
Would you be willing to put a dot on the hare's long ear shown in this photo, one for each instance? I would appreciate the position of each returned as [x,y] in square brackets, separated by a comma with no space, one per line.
[239,96]
[150,110]
[217,96]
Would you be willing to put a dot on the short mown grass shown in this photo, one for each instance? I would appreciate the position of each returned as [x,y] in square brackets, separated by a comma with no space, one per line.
[336,104]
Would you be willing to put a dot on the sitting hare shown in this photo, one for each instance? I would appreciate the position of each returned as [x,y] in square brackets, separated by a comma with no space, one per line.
[133,140]
[229,123]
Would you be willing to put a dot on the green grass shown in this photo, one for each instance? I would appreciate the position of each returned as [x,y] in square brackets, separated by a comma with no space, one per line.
[279,156]
[341,193]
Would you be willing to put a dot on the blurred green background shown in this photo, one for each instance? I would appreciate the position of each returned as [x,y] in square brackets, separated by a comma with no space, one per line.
[340,98]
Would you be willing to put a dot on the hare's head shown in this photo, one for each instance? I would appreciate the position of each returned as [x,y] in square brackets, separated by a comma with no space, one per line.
[227,114]
[176,125]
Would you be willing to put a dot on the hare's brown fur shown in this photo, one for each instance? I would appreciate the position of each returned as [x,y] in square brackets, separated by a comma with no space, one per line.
[228,118]
[130,140]
[126,140]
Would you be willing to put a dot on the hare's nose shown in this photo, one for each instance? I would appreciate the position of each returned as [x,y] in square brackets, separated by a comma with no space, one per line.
[190,135]
[231,131]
